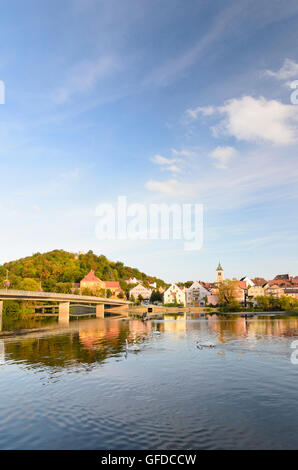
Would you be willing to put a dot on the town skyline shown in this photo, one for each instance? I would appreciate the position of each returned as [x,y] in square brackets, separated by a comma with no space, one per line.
[201,278]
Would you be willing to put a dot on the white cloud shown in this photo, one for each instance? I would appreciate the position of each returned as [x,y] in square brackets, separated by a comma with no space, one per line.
[288,70]
[222,156]
[204,110]
[252,119]
[174,169]
[184,153]
[253,178]
[257,119]
[169,164]
[160,160]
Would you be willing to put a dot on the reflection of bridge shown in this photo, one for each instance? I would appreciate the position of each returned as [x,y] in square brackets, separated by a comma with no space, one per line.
[64,301]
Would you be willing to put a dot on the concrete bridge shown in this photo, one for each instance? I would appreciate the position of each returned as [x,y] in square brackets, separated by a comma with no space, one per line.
[64,301]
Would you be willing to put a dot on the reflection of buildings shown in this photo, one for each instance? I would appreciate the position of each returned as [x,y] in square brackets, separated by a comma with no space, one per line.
[87,343]
[174,324]
[228,329]
[84,342]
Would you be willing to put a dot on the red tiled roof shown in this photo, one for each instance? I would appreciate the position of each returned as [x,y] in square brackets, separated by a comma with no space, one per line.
[202,285]
[279,282]
[112,284]
[90,277]
[209,285]
[282,277]
[242,284]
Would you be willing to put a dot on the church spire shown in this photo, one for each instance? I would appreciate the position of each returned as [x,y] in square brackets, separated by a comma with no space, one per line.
[219,273]
[219,268]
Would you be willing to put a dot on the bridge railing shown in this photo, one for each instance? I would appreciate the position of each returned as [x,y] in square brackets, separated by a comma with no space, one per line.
[36,295]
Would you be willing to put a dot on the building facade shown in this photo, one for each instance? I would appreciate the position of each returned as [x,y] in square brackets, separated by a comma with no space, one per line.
[291,292]
[255,291]
[174,294]
[94,284]
[114,287]
[91,282]
[275,290]
[140,290]
[196,295]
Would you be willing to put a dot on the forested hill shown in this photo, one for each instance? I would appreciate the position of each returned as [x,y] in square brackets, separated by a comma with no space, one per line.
[57,269]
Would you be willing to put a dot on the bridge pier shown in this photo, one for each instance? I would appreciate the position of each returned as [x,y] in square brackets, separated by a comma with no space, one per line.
[100,311]
[1,313]
[64,312]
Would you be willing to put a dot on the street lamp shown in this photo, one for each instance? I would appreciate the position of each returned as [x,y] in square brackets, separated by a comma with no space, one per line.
[6,282]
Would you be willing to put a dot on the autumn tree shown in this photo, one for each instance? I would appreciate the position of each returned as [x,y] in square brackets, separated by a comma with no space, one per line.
[227,291]
[29,284]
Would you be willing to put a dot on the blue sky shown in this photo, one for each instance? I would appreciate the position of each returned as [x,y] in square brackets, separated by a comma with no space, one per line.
[172,101]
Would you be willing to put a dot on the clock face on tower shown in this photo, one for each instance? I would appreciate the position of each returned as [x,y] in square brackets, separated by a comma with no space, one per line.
[219,273]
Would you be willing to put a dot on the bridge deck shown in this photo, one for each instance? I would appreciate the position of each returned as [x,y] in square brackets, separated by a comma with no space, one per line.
[53,297]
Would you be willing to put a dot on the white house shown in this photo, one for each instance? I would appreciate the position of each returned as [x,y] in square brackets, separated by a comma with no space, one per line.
[153,285]
[248,282]
[131,280]
[174,294]
[140,290]
[196,295]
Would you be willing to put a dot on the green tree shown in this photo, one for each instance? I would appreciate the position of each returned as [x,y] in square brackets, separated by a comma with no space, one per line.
[156,296]
[109,293]
[59,266]
[263,302]
[29,284]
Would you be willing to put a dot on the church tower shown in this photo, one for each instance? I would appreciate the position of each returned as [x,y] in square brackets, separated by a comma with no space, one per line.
[219,273]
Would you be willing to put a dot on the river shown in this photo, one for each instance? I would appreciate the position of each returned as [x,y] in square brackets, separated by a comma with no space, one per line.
[77,387]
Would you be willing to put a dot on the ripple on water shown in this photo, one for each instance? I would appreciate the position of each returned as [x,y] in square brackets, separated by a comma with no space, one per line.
[81,390]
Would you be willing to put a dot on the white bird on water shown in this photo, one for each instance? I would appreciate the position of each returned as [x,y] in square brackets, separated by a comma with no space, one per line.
[206,344]
[132,347]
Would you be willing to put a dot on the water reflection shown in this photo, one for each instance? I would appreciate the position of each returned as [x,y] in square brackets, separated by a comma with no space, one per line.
[76,386]
[93,341]
[85,341]
[269,326]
